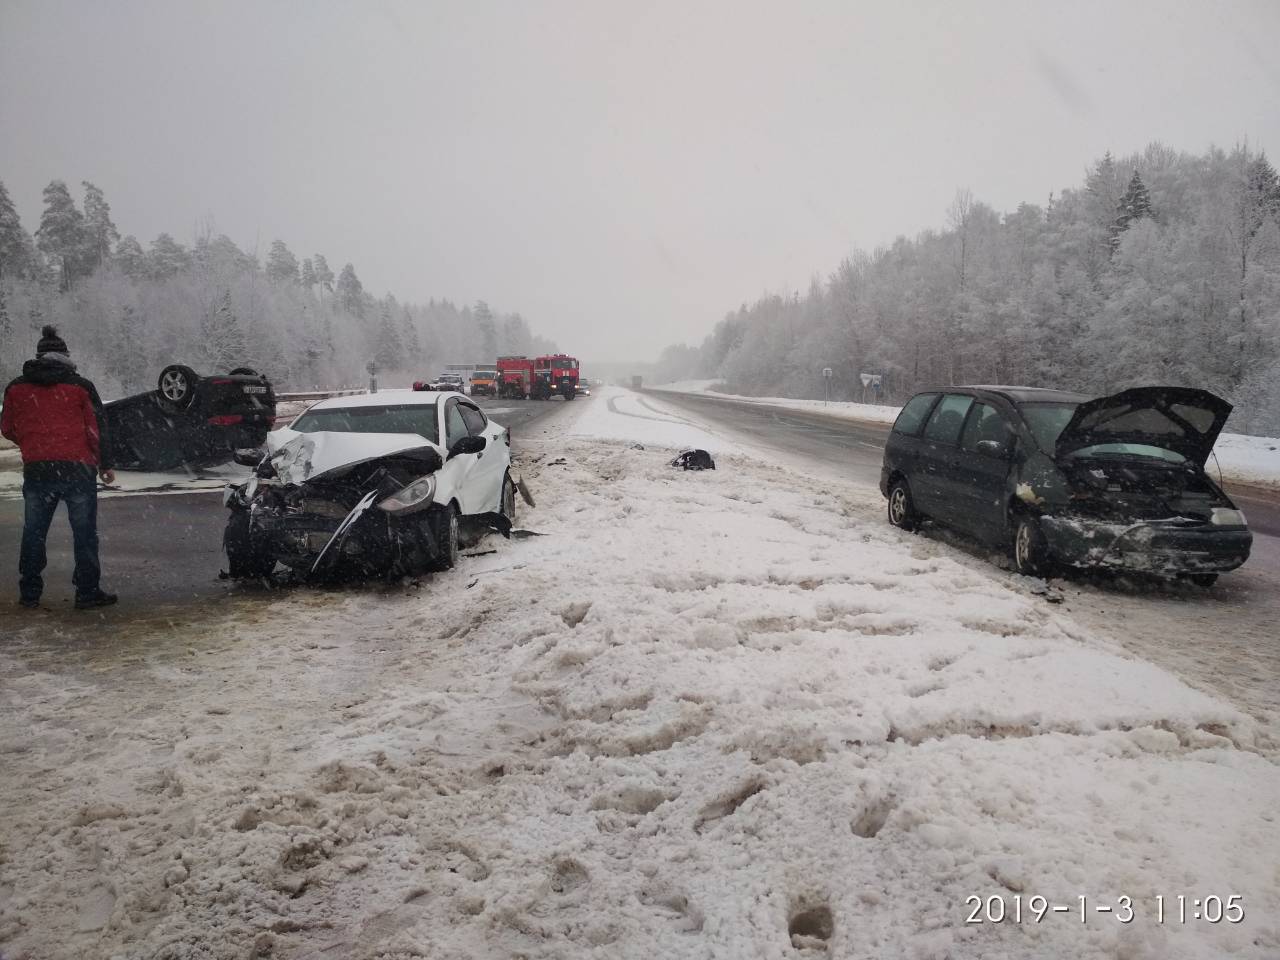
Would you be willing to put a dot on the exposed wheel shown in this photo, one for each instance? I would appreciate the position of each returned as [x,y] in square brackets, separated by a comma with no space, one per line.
[243,562]
[509,499]
[1203,579]
[902,511]
[445,528]
[243,372]
[177,385]
[1030,551]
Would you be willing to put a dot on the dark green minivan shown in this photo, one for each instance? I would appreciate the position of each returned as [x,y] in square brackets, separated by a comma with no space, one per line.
[1060,479]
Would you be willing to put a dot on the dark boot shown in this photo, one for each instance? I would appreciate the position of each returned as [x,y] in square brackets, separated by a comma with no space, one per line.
[99,598]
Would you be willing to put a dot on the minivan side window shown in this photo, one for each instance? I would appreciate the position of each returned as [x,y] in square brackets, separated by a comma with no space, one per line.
[948,417]
[913,414]
[985,423]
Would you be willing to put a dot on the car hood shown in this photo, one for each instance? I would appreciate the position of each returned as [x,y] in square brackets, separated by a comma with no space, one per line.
[307,456]
[1181,419]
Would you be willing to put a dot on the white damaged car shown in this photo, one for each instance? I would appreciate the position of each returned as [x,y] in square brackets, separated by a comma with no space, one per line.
[373,485]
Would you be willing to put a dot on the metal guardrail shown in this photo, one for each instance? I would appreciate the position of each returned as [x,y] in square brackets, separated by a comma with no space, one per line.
[318,394]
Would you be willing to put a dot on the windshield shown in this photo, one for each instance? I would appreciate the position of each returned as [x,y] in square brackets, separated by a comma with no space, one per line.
[398,418]
[1047,421]
[483,375]
[1129,450]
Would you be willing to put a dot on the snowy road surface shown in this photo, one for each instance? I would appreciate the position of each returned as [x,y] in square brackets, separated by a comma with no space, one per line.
[719,714]
[1223,640]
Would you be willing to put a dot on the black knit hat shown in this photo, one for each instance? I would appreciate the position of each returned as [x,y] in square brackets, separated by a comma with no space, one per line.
[50,342]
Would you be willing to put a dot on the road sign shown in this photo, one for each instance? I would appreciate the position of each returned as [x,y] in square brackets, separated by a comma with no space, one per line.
[826,372]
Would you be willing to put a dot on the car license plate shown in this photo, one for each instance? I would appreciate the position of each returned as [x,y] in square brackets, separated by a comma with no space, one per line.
[254,389]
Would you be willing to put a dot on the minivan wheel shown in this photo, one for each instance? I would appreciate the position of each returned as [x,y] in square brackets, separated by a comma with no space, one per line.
[1203,579]
[902,511]
[177,385]
[1030,551]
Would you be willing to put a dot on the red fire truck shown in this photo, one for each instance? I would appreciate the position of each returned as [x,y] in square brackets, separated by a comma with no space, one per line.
[515,377]
[557,373]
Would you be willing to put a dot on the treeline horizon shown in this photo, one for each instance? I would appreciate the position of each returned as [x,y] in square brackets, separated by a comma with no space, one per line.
[1161,268]
[127,311]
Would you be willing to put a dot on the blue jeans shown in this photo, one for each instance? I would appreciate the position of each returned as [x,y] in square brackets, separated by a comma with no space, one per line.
[80,493]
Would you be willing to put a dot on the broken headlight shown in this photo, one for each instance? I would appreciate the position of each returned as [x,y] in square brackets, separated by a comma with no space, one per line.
[410,497]
[1224,517]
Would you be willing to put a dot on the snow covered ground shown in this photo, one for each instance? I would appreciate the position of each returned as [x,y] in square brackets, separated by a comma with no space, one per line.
[1244,459]
[711,714]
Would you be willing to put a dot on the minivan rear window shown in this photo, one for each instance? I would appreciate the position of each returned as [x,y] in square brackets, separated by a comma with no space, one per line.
[913,414]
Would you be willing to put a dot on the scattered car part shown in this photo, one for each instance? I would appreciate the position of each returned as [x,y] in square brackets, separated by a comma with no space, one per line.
[694,460]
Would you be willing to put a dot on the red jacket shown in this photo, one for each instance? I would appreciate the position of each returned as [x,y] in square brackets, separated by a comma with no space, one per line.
[53,414]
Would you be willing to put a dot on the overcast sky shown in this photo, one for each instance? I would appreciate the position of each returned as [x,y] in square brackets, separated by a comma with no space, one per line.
[621,173]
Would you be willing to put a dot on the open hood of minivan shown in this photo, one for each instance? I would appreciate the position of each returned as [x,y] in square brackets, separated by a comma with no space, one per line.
[1182,419]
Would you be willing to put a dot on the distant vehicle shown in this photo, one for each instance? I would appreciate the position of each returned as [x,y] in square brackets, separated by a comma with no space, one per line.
[1115,483]
[446,381]
[190,418]
[555,373]
[637,382]
[484,383]
[515,377]
[371,486]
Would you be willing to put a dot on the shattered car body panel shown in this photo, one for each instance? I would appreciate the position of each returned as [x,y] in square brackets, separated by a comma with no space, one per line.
[1115,483]
[338,503]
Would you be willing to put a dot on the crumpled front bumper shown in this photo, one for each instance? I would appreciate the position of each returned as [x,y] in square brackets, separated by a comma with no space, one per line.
[1164,547]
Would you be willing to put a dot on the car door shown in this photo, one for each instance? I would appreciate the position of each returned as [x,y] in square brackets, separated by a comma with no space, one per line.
[978,477]
[932,488]
[453,482]
[485,479]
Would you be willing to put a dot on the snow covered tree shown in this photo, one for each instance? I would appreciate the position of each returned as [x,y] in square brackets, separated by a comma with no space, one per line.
[1134,205]
[389,352]
[61,235]
[409,337]
[308,275]
[350,291]
[324,276]
[16,253]
[282,265]
[130,258]
[223,336]
[488,331]
[100,232]
[167,258]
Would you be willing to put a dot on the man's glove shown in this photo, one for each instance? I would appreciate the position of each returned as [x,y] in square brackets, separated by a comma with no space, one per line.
[107,476]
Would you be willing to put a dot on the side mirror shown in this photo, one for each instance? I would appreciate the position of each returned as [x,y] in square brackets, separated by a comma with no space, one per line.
[247,456]
[995,449]
[467,444]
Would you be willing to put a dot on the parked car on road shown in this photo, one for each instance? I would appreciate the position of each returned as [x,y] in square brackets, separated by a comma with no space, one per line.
[371,485]
[1117,482]
[190,418]
[484,383]
[446,381]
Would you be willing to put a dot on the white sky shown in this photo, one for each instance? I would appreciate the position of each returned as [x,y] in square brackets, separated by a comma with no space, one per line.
[621,173]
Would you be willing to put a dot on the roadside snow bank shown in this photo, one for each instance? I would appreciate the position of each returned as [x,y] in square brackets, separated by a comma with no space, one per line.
[704,715]
[1241,458]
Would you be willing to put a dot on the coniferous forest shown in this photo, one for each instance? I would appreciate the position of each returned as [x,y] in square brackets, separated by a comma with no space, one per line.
[127,309]
[1162,267]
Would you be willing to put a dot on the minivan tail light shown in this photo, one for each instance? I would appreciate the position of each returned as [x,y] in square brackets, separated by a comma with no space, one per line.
[226,420]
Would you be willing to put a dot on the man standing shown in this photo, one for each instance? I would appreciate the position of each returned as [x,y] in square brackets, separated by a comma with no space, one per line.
[55,417]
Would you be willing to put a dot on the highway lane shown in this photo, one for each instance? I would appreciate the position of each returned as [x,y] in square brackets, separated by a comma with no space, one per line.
[1223,639]
[162,552]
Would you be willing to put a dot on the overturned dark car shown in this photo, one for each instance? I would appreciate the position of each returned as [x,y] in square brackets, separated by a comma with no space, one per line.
[1058,478]
[190,419]
[369,486]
